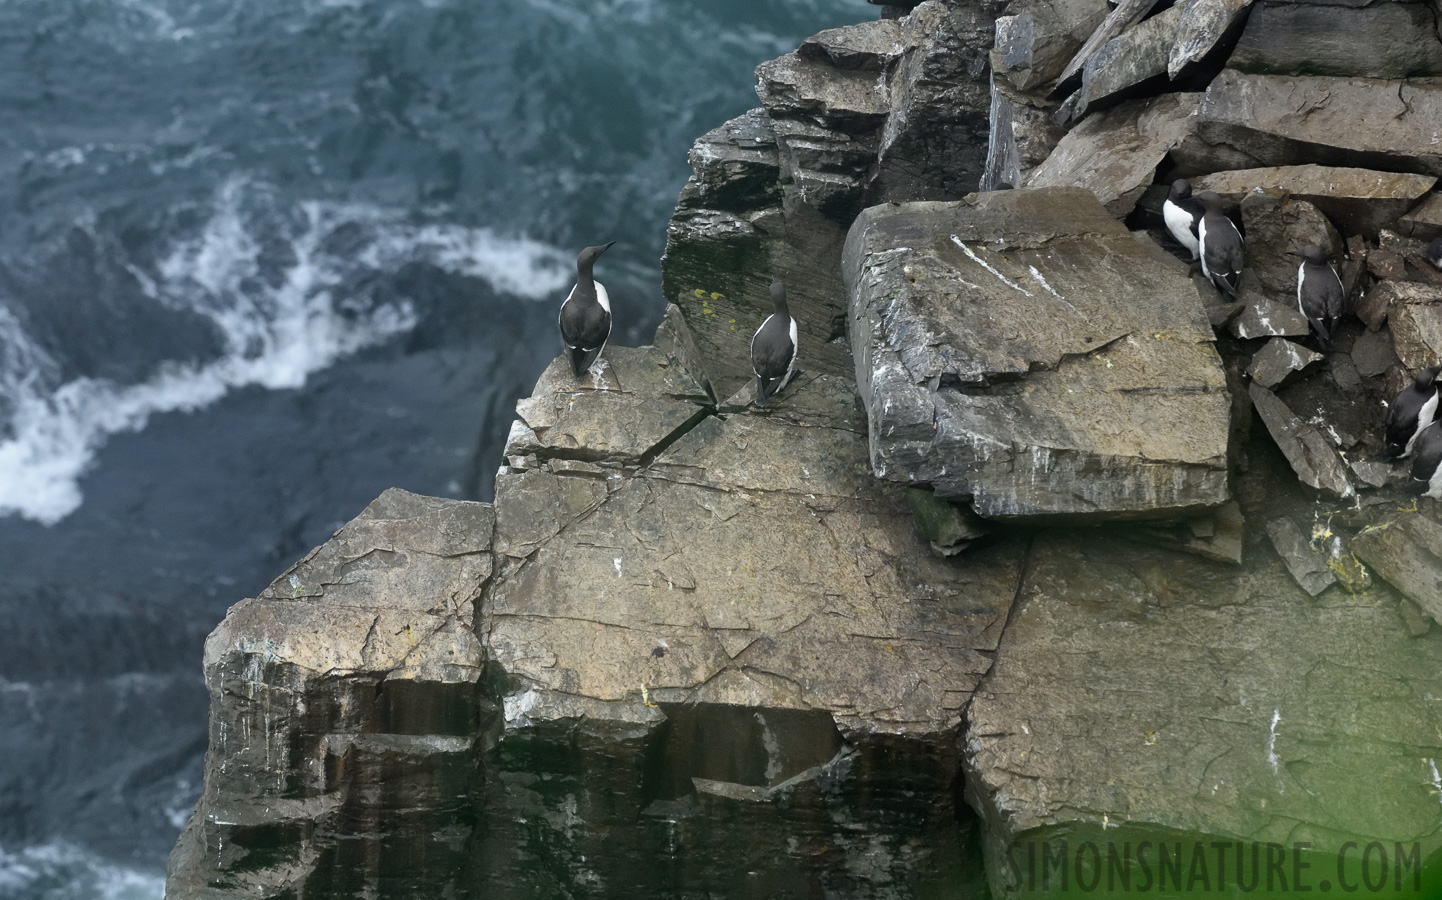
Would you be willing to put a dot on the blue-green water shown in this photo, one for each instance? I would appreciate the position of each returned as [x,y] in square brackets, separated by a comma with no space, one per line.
[258,262]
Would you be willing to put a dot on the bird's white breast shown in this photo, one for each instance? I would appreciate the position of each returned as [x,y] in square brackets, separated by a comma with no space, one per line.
[1179,222]
[601,297]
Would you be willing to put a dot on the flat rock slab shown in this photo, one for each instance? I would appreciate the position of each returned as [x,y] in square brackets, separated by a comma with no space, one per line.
[1407,553]
[1382,40]
[1139,695]
[1022,349]
[1385,300]
[1263,318]
[1278,120]
[1280,361]
[1203,23]
[756,563]
[1311,455]
[1136,55]
[1358,201]
[1115,154]
[622,410]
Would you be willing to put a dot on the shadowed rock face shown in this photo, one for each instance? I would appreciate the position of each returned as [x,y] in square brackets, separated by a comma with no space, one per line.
[1023,350]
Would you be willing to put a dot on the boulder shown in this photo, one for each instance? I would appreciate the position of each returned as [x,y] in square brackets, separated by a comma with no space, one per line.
[1372,353]
[1384,299]
[1022,349]
[1035,42]
[1358,201]
[1125,64]
[1280,361]
[1417,334]
[1311,456]
[1023,132]
[1425,221]
[1248,121]
[1204,24]
[1114,154]
[1261,318]
[865,46]
[1380,40]
[734,167]
[1124,15]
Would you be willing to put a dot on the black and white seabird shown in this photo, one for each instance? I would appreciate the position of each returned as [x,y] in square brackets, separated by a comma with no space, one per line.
[1434,253]
[1411,411]
[1182,215]
[1219,244]
[586,314]
[1319,292]
[773,348]
[1427,461]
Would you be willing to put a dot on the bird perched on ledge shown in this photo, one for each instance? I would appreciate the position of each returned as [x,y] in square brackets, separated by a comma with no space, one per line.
[1219,244]
[1319,292]
[1434,253]
[1182,215]
[1411,411]
[585,317]
[1427,461]
[773,348]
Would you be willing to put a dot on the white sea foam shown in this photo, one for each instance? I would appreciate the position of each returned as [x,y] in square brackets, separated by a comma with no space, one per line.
[279,327]
[51,871]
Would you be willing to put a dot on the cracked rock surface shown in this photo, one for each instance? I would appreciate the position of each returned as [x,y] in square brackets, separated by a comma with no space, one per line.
[1022,349]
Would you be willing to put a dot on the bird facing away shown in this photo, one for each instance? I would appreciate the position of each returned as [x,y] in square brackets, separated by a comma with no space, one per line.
[1434,253]
[773,348]
[1427,461]
[1319,292]
[585,318]
[1410,412]
[1183,214]
[1219,245]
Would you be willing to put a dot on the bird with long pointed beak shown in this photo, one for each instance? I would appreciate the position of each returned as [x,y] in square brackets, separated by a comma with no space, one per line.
[773,348]
[585,317]
[1319,292]
[1219,244]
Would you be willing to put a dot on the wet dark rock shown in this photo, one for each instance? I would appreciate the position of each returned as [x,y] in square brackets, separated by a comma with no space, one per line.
[1034,43]
[1022,349]
[1023,133]
[1114,154]
[1381,40]
[735,167]
[1308,565]
[1314,459]
[1358,201]
[1280,361]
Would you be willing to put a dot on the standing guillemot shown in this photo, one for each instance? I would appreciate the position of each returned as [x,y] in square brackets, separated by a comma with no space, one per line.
[1427,461]
[1434,253]
[1219,244]
[585,317]
[1410,412]
[1319,292]
[773,348]
[1182,215]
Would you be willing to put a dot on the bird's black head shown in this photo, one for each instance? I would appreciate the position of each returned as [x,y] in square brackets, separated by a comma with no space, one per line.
[1312,253]
[1426,378]
[587,257]
[1211,201]
[1003,186]
[1181,190]
[778,293]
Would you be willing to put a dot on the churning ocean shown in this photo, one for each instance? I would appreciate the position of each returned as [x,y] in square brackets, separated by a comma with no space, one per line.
[260,261]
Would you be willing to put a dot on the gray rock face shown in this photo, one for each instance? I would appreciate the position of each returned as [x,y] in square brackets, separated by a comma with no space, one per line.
[1192,688]
[1385,40]
[1308,566]
[1024,350]
[1115,154]
[1275,120]
[1275,225]
[344,712]
[1024,132]
[1260,318]
[1359,201]
[1039,38]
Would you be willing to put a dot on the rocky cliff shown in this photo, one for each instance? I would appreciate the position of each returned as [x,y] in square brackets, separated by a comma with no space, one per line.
[1047,543]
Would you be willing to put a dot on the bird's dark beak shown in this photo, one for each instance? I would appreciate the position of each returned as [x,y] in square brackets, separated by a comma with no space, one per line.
[608,246]
[1294,253]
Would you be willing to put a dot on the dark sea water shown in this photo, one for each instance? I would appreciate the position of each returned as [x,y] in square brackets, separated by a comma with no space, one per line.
[260,261]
